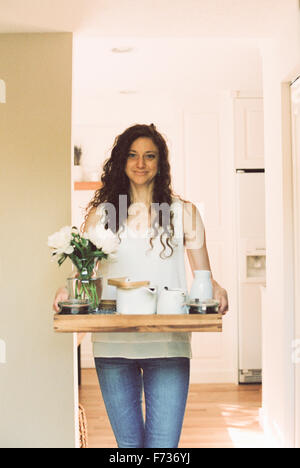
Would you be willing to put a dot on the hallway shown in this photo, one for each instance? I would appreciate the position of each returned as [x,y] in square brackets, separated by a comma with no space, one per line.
[217,416]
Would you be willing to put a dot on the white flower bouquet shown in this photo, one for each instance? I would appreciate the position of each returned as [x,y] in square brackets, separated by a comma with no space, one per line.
[84,251]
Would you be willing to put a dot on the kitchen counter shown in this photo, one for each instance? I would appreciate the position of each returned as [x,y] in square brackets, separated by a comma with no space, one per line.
[96,323]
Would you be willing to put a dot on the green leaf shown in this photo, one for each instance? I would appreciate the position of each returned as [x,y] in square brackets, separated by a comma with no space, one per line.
[75,261]
[62,259]
[98,253]
[85,242]
[76,244]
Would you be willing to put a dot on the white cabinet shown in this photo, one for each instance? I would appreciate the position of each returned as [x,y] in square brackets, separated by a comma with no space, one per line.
[249,133]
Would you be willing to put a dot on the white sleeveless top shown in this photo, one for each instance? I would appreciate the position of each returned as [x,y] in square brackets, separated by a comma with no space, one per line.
[136,260]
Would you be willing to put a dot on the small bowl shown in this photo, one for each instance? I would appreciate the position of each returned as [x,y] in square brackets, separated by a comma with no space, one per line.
[75,307]
[107,307]
[209,306]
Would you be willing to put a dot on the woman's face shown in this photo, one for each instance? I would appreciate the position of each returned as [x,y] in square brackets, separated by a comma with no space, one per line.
[142,161]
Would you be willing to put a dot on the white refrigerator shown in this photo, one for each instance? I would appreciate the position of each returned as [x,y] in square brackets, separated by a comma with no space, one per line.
[251,255]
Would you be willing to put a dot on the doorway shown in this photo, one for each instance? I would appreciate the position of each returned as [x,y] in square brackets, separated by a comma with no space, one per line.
[198,122]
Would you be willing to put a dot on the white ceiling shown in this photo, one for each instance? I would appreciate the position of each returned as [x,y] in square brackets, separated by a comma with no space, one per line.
[174,66]
[212,41]
[233,18]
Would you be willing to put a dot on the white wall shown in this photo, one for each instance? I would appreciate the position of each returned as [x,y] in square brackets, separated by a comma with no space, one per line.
[37,375]
[195,114]
[281,61]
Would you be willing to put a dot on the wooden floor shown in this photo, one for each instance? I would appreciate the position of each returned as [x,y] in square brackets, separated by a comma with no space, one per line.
[217,416]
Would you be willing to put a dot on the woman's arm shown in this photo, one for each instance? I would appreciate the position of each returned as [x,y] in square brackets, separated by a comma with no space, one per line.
[92,219]
[199,260]
[195,243]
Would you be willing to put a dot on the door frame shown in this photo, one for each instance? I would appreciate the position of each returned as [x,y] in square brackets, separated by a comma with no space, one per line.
[291,184]
[295,161]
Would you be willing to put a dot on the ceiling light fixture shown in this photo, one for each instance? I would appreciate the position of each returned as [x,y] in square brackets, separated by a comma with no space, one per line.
[128,91]
[122,50]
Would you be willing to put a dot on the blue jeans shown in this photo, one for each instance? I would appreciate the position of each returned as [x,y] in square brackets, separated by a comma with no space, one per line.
[165,382]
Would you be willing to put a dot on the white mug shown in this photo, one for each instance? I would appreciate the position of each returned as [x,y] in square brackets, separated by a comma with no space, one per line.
[171,301]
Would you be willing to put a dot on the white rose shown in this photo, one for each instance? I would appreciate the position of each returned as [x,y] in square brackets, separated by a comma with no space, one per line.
[103,238]
[60,241]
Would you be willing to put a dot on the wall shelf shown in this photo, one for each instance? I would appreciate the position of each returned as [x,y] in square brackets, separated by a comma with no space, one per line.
[87,185]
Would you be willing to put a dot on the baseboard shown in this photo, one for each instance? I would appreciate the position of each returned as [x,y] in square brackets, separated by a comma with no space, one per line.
[213,376]
[274,437]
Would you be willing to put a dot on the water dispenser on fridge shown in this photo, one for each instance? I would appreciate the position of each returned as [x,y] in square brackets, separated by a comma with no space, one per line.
[251,271]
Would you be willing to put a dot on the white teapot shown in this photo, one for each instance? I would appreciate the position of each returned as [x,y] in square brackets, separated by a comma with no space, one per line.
[134,297]
[171,301]
[137,301]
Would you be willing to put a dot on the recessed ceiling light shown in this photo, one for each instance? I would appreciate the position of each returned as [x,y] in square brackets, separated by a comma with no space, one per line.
[121,50]
[128,91]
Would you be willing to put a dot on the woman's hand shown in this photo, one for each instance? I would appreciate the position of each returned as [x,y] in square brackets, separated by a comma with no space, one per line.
[220,294]
[60,296]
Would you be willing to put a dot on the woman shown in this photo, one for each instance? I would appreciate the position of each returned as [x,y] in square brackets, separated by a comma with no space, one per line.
[154,227]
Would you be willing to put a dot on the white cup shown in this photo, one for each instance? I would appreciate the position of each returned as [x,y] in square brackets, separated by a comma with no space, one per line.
[171,301]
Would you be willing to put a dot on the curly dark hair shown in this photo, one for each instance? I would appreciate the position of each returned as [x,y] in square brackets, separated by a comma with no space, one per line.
[115,182]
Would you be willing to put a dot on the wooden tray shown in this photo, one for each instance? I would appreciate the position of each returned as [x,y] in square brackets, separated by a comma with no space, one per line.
[138,323]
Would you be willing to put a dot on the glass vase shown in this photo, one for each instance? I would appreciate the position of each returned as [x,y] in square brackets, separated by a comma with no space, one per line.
[85,287]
